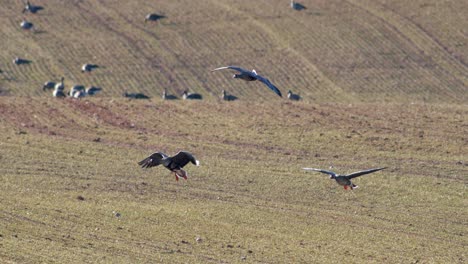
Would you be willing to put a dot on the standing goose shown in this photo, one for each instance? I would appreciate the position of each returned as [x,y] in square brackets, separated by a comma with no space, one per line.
[250,76]
[60,85]
[135,95]
[153,17]
[345,180]
[191,96]
[58,90]
[227,97]
[28,7]
[293,97]
[77,91]
[92,90]
[174,164]
[297,6]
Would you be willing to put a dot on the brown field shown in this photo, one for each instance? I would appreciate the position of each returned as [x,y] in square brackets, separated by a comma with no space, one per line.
[384,83]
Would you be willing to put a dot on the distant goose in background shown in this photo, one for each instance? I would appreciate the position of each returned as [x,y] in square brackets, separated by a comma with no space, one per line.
[88,67]
[26,25]
[31,8]
[227,97]
[297,6]
[166,96]
[77,91]
[19,61]
[345,180]
[191,96]
[153,17]
[293,97]
[92,90]
[250,76]
[174,164]
[135,95]
[48,85]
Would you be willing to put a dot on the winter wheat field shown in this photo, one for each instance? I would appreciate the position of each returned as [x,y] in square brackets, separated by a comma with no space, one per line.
[383,84]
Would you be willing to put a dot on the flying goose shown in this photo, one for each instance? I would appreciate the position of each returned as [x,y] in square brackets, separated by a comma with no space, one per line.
[227,97]
[88,67]
[345,180]
[191,96]
[135,95]
[26,25]
[174,164]
[250,76]
[28,7]
[153,17]
[166,96]
[293,97]
[297,6]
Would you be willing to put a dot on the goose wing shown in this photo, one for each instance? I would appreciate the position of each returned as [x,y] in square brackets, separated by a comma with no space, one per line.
[153,160]
[269,84]
[360,173]
[239,69]
[183,157]
[322,171]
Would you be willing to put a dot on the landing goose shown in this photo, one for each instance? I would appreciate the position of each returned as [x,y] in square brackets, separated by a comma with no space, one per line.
[345,180]
[247,75]
[174,163]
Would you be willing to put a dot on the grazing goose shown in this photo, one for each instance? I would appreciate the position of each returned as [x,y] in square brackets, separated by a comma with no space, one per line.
[166,96]
[250,76]
[227,97]
[191,96]
[345,180]
[174,164]
[293,97]
[88,67]
[153,17]
[77,91]
[48,85]
[297,6]
[19,61]
[26,25]
[135,95]
[31,8]
[92,90]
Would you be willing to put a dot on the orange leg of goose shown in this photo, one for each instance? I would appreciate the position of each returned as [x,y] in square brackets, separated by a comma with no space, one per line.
[176,178]
[346,187]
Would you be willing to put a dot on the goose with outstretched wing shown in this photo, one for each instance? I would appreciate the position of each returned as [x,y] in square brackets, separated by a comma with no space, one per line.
[252,75]
[345,180]
[174,163]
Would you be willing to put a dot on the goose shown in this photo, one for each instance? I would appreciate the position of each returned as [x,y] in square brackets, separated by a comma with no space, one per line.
[19,61]
[77,91]
[345,180]
[227,97]
[88,67]
[174,163]
[250,76]
[166,96]
[31,8]
[191,96]
[58,92]
[297,6]
[48,85]
[153,17]
[293,97]
[60,85]
[135,95]
[26,25]
[92,90]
